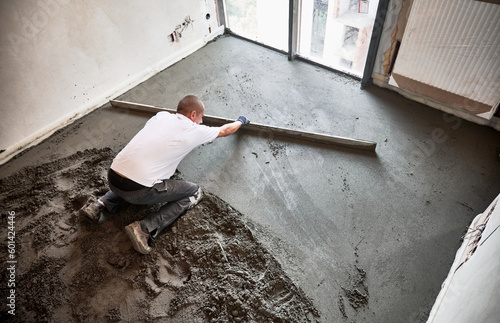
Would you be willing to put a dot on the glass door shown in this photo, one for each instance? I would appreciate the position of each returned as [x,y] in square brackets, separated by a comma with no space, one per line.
[337,33]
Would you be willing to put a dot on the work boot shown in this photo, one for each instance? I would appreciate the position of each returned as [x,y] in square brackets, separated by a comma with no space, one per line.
[92,210]
[195,199]
[138,237]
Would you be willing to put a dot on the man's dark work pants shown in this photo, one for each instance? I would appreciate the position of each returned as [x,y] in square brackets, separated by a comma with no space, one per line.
[173,194]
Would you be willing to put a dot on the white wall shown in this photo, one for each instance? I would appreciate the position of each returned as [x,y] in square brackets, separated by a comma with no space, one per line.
[470,292]
[61,59]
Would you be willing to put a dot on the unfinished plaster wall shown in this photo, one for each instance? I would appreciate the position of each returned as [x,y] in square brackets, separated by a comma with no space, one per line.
[470,291]
[64,58]
[395,20]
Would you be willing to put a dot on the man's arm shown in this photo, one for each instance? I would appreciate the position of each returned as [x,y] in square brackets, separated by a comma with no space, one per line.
[230,128]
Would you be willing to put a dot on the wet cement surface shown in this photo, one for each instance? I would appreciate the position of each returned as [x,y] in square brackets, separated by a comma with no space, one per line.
[380,227]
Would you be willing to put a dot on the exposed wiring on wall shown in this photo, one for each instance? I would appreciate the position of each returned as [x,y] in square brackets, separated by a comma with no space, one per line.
[475,235]
[179,29]
[489,235]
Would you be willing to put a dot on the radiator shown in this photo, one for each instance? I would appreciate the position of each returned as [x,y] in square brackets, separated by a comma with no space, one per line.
[450,52]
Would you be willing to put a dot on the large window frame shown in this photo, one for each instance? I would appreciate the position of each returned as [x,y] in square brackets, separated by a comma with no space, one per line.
[294,38]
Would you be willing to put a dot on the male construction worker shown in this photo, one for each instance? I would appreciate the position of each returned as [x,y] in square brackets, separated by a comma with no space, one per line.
[140,173]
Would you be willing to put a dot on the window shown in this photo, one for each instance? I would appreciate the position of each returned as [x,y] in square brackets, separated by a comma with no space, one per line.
[264,21]
[333,33]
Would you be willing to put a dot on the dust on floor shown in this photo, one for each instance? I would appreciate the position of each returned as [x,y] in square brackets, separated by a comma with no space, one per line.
[207,266]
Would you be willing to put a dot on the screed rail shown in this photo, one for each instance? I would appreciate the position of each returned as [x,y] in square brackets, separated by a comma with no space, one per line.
[262,130]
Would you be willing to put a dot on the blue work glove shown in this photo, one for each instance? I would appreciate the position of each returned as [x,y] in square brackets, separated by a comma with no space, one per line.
[243,120]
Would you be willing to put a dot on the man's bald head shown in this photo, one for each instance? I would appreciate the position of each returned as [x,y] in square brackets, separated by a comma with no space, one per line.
[189,104]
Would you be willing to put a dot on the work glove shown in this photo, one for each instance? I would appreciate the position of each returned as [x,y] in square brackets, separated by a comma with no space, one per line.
[243,120]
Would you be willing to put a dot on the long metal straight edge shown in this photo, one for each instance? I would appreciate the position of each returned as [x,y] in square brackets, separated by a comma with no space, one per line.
[265,131]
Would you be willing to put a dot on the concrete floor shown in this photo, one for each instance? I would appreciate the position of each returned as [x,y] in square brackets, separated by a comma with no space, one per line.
[398,213]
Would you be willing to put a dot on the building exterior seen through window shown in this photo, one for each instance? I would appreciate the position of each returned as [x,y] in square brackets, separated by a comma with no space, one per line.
[334,33]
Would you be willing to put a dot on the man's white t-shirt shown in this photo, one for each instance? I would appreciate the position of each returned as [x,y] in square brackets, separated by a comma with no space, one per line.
[157,149]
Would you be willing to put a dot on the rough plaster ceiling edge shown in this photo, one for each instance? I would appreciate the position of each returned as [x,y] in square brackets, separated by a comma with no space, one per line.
[99,101]
[382,81]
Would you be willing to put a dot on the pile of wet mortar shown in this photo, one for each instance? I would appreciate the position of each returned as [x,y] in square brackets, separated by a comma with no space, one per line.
[207,266]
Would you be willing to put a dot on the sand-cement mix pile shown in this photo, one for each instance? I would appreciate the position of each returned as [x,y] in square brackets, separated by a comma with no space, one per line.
[207,267]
